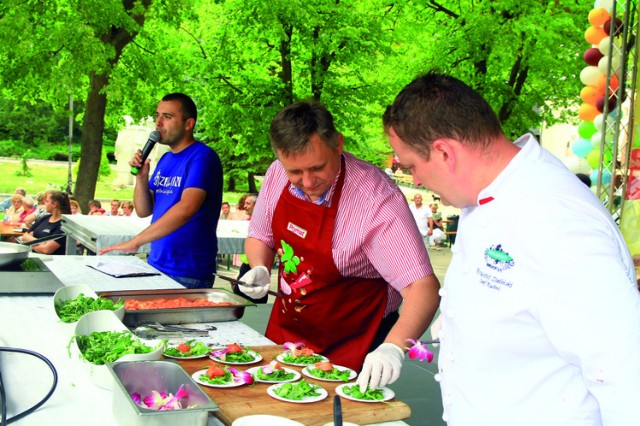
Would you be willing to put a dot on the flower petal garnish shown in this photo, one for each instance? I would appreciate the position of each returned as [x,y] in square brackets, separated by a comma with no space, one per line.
[291,346]
[420,351]
[219,353]
[161,400]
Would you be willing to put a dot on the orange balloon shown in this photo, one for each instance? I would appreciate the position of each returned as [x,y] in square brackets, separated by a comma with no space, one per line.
[589,95]
[588,112]
[594,35]
[614,82]
[598,16]
[601,85]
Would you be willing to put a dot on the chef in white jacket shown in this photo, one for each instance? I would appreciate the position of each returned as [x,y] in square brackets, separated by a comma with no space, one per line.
[540,307]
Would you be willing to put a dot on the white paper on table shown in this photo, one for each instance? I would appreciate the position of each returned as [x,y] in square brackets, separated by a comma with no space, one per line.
[123,269]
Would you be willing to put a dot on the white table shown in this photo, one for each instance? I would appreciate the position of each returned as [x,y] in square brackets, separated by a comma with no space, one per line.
[29,322]
[98,232]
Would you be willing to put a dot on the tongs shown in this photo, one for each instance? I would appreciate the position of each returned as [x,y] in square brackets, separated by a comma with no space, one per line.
[153,329]
[236,283]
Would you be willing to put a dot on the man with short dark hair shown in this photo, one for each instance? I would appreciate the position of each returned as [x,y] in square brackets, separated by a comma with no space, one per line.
[342,273]
[520,311]
[184,195]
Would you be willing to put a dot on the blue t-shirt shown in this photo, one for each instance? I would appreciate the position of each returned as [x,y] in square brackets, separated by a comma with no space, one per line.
[189,251]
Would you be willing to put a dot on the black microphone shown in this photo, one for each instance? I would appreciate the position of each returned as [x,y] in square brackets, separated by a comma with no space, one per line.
[153,138]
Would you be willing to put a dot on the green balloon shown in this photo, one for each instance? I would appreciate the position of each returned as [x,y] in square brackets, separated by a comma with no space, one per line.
[586,129]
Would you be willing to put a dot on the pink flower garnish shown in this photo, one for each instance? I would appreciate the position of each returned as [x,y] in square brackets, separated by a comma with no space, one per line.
[270,368]
[420,351]
[241,376]
[291,346]
[161,400]
[219,353]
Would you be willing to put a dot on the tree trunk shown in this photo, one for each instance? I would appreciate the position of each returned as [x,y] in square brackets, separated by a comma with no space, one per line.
[252,183]
[232,184]
[285,62]
[91,142]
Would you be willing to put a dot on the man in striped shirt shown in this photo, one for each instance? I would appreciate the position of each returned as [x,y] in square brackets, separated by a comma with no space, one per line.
[349,250]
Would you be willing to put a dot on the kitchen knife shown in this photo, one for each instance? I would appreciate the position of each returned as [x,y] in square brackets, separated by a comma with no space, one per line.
[337,411]
[235,282]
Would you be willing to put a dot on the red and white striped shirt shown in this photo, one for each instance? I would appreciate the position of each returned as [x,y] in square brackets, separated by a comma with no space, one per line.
[375,234]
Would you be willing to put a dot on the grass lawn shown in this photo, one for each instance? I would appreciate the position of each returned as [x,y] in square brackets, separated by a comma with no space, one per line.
[53,175]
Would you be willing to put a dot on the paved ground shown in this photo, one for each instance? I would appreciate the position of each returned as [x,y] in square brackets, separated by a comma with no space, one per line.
[416,385]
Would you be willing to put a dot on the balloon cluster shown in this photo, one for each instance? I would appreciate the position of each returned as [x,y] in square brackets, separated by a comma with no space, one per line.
[598,97]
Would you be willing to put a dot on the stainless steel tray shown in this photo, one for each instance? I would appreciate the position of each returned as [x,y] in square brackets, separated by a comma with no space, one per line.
[182,315]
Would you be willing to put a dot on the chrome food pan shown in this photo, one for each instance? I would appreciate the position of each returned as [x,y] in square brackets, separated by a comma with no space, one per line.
[181,315]
[162,376]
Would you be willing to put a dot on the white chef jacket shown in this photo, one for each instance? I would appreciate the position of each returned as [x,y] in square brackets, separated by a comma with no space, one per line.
[541,313]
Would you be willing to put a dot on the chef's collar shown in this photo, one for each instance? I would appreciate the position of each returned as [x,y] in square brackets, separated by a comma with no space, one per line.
[526,143]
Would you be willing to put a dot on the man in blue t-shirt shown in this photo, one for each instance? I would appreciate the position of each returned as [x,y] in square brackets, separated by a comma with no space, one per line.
[184,194]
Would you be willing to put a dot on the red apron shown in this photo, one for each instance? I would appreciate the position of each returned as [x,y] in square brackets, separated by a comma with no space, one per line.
[333,315]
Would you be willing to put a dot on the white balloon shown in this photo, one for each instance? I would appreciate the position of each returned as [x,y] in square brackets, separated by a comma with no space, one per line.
[598,121]
[603,64]
[605,45]
[596,139]
[607,4]
[590,75]
[576,165]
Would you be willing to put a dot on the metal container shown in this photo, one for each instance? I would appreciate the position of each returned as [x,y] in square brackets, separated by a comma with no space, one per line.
[13,254]
[182,315]
[162,376]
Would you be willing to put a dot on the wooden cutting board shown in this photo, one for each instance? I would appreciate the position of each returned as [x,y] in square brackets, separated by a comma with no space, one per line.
[247,400]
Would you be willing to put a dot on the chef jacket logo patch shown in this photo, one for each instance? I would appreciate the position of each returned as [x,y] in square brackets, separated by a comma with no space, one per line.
[498,259]
[296,230]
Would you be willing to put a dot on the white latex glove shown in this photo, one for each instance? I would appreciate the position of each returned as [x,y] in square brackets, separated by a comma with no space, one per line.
[259,275]
[381,367]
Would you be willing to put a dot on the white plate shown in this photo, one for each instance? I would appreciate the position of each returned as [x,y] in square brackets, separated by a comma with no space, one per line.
[257,356]
[386,392]
[196,376]
[323,394]
[253,371]
[186,357]
[283,354]
[264,419]
[307,372]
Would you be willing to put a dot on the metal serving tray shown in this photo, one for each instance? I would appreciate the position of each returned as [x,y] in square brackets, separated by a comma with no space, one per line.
[181,315]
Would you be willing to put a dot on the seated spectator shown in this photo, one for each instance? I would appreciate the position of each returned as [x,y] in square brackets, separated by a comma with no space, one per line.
[240,213]
[4,205]
[75,207]
[436,234]
[95,208]
[224,211]
[127,208]
[115,208]
[39,211]
[28,205]
[57,204]
[16,208]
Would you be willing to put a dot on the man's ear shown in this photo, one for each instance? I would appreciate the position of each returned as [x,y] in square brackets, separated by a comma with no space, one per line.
[189,124]
[340,145]
[443,150]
